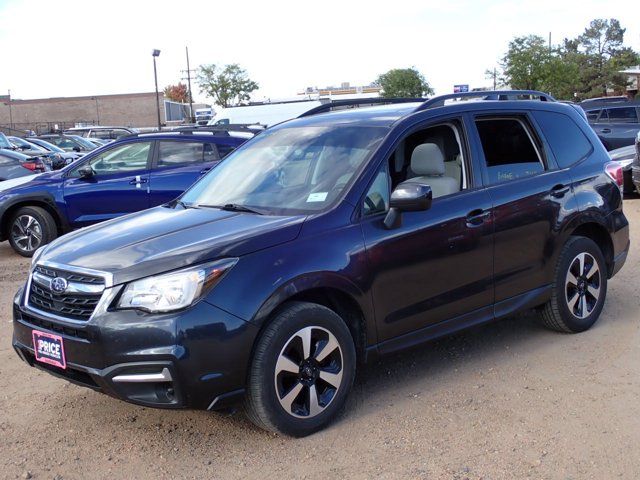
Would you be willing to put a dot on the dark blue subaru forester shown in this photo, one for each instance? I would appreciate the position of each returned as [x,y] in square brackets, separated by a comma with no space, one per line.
[326,240]
[126,176]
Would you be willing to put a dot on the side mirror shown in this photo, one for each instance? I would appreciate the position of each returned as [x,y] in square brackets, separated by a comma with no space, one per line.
[76,149]
[86,171]
[407,197]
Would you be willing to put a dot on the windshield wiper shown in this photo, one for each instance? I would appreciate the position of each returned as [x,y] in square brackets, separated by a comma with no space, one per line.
[234,207]
[183,204]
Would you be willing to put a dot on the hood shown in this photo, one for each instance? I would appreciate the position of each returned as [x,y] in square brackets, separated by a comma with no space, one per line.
[14,185]
[166,238]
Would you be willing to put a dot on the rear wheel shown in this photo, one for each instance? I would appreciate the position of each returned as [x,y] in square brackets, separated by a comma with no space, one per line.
[302,370]
[579,289]
[30,228]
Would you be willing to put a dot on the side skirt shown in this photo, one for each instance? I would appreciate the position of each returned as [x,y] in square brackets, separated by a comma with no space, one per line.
[504,308]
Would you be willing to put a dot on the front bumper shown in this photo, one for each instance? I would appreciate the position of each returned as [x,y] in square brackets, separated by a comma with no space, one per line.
[196,358]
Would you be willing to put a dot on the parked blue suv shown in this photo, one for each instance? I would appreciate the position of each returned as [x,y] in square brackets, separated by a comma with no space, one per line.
[329,239]
[131,174]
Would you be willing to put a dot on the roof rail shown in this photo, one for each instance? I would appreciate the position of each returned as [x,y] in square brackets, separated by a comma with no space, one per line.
[357,102]
[221,129]
[439,100]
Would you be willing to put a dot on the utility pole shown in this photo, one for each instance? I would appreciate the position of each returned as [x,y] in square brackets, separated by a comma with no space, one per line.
[10,111]
[191,119]
[549,43]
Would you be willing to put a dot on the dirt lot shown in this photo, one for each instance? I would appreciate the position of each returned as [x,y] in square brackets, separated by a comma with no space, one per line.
[508,400]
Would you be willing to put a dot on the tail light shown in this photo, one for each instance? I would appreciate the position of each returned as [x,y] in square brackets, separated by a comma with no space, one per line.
[33,166]
[614,171]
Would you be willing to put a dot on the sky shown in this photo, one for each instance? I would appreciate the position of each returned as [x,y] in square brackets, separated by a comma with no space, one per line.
[54,48]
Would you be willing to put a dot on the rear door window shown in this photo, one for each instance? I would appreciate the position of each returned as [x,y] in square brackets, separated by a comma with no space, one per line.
[568,143]
[509,149]
[173,153]
[622,115]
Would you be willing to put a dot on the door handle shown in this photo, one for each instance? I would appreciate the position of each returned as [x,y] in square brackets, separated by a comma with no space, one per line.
[138,181]
[559,190]
[204,170]
[477,217]
[605,130]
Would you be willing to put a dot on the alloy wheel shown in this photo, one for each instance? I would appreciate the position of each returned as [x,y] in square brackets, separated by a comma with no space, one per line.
[308,372]
[582,285]
[26,233]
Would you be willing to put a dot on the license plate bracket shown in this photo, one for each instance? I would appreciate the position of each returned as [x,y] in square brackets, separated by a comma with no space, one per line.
[49,349]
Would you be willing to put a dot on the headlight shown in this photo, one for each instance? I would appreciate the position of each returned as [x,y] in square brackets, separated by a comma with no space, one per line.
[175,290]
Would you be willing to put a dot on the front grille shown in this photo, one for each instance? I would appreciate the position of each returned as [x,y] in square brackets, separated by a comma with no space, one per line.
[76,306]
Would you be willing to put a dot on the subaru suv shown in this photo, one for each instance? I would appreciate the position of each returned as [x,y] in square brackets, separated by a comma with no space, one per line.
[125,176]
[326,241]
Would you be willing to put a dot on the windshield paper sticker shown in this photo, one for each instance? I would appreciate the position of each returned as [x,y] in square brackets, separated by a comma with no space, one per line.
[317,197]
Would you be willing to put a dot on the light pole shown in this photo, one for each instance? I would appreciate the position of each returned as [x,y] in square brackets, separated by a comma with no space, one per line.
[156,53]
[97,110]
[10,111]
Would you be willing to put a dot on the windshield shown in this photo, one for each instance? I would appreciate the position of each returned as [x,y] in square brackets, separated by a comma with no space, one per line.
[19,142]
[4,143]
[296,170]
[83,142]
[46,145]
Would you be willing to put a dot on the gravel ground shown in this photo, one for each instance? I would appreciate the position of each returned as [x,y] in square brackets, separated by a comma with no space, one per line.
[507,400]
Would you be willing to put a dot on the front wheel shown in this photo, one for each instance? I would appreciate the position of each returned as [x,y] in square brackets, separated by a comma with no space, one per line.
[30,228]
[579,289]
[302,370]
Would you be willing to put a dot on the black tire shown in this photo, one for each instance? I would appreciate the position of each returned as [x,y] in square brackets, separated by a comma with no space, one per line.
[558,313]
[39,233]
[263,404]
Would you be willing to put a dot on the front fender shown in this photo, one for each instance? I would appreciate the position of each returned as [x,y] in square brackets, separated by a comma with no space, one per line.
[261,281]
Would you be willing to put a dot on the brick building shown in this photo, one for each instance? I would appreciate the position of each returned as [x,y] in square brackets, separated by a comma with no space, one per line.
[43,114]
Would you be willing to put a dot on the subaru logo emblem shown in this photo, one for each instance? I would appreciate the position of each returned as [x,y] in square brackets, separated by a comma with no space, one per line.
[59,284]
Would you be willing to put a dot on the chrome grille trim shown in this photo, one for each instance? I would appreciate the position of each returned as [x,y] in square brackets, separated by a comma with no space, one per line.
[105,291]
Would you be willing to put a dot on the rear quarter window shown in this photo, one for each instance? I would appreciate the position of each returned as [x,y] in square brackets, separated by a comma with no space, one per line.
[567,141]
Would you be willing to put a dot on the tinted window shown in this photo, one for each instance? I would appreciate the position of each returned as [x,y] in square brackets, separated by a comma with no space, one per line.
[567,141]
[224,150]
[508,150]
[102,134]
[623,115]
[377,198]
[180,153]
[592,115]
[125,158]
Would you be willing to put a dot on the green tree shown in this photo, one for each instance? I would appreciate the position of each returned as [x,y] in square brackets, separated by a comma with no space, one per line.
[403,82]
[602,44]
[228,85]
[525,65]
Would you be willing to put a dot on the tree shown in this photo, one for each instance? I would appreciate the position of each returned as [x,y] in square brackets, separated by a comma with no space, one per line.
[177,93]
[403,82]
[524,64]
[605,54]
[579,68]
[228,85]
